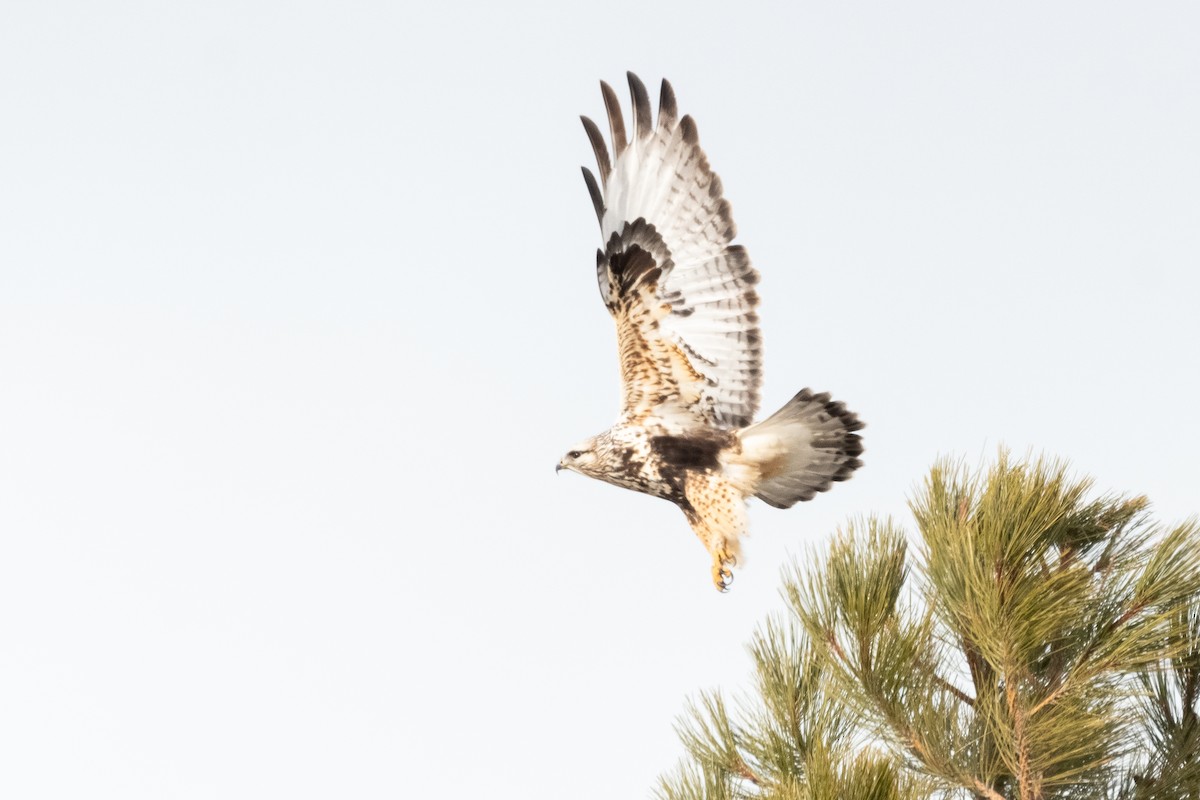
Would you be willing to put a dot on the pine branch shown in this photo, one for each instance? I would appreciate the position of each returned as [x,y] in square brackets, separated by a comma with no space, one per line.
[743,771]
[947,685]
[987,791]
[1057,607]
[1064,680]
[1025,780]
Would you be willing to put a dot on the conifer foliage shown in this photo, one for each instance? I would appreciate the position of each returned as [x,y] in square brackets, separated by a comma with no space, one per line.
[1032,642]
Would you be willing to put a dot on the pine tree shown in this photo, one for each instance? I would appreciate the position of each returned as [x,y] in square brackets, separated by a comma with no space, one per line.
[1040,643]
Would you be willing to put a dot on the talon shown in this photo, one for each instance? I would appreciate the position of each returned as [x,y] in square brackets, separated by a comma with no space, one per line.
[722,577]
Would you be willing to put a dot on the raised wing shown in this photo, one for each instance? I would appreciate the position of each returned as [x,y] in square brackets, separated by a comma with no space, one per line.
[683,298]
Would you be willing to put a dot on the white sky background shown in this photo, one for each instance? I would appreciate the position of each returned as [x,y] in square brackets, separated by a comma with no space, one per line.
[298,313]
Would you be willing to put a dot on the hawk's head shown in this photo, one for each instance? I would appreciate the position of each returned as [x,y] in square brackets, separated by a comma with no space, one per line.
[583,458]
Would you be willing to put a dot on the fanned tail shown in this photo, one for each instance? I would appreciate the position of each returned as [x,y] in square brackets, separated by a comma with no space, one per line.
[802,448]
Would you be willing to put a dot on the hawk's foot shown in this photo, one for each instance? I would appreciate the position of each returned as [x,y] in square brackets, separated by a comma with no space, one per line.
[722,575]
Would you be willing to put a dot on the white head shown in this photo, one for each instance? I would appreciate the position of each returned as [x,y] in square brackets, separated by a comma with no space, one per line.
[583,458]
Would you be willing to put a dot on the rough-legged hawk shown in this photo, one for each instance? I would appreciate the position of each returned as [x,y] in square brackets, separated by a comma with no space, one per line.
[683,300]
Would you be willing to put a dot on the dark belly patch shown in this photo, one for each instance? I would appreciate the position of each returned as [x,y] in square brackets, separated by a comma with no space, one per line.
[698,451]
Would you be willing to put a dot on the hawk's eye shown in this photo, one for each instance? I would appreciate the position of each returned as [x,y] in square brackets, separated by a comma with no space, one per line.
[574,454]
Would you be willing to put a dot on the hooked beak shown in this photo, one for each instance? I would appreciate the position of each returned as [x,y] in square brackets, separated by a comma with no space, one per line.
[558,468]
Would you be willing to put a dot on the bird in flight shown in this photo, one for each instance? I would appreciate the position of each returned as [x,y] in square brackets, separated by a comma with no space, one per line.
[683,300]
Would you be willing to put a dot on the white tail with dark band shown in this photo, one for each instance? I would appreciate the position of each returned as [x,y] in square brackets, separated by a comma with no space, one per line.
[802,449]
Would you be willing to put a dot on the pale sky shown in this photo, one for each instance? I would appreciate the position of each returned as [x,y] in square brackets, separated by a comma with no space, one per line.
[298,313]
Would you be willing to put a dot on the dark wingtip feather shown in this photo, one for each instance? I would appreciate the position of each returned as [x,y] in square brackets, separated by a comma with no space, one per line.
[641,106]
[715,187]
[598,147]
[688,126]
[594,191]
[616,122]
[668,112]
[724,218]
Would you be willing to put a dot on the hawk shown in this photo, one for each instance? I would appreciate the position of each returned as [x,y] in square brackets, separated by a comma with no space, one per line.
[683,300]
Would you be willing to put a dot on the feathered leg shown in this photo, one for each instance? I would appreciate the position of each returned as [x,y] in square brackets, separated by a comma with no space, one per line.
[717,514]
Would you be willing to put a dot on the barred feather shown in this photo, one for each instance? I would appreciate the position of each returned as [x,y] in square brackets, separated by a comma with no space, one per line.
[689,340]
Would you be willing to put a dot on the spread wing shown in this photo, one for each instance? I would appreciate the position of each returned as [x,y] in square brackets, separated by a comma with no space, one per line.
[682,297]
